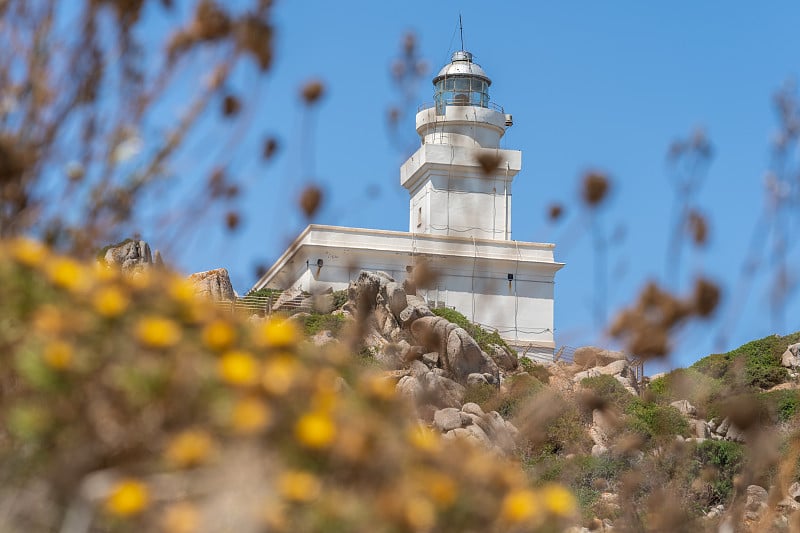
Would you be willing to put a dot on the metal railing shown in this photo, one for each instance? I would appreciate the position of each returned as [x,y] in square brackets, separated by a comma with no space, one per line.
[491,105]
[266,305]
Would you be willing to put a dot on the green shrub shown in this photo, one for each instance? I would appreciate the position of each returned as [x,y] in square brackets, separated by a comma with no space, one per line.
[316,322]
[609,389]
[727,459]
[699,389]
[755,364]
[339,298]
[520,389]
[484,338]
[538,371]
[783,404]
[651,420]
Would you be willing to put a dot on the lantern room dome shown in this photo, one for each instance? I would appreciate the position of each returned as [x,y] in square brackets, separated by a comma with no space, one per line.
[461,65]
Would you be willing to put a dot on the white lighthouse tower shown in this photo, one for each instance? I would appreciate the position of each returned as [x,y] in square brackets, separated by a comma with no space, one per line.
[459,223]
[451,194]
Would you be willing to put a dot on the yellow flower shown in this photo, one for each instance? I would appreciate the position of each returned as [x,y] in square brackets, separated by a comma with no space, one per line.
[279,374]
[180,518]
[190,448]
[521,505]
[441,489]
[66,273]
[58,354]
[558,500]
[277,333]
[420,513]
[218,335]
[128,497]
[424,439]
[158,332]
[105,272]
[315,430]
[250,415]
[28,252]
[238,368]
[379,387]
[181,290]
[110,302]
[298,486]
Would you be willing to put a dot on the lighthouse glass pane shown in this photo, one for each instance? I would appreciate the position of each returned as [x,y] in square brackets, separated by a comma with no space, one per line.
[460,92]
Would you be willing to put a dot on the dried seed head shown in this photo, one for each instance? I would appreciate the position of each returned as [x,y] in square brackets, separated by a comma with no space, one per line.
[394,115]
[270,147]
[595,188]
[230,105]
[698,227]
[232,220]
[409,43]
[555,212]
[312,91]
[255,37]
[489,161]
[310,200]
[210,22]
[706,297]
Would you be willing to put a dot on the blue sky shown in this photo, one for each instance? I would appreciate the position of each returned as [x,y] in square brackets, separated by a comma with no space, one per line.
[591,85]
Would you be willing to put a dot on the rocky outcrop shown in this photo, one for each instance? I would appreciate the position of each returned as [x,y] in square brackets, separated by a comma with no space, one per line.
[130,256]
[459,353]
[471,423]
[791,357]
[214,284]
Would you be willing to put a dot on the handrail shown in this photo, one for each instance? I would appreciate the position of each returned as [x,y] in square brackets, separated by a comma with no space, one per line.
[491,105]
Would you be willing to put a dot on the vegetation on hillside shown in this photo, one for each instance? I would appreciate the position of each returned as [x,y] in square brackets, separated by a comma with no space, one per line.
[483,337]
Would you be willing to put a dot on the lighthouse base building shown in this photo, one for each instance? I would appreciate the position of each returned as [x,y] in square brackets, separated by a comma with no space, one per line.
[459,182]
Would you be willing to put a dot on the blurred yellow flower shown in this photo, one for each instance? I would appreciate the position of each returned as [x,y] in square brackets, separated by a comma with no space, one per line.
[278,333]
[181,290]
[110,302]
[420,513]
[127,498]
[190,448]
[558,500]
[105,272]
[424,439]
[180,518]
[379,387]
[298,486]
[58,354]
[238,368]
[250,415]
[67,273]
[315,430]
[158,332]
[279,374]
[441,489]
[218,335]
[28,252]
[521,505]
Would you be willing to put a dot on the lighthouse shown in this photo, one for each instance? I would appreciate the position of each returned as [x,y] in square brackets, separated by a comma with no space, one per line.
[459,183]
[451,192]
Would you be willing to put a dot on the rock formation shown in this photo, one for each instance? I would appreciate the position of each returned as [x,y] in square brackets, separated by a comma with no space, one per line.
[214,284]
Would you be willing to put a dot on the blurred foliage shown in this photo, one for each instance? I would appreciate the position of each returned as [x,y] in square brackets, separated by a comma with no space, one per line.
[132,403]
[313,323]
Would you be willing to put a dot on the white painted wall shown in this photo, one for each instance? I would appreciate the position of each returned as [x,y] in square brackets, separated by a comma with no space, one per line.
[473,275]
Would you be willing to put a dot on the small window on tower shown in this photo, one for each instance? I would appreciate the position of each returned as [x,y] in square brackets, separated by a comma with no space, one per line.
[419,216]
